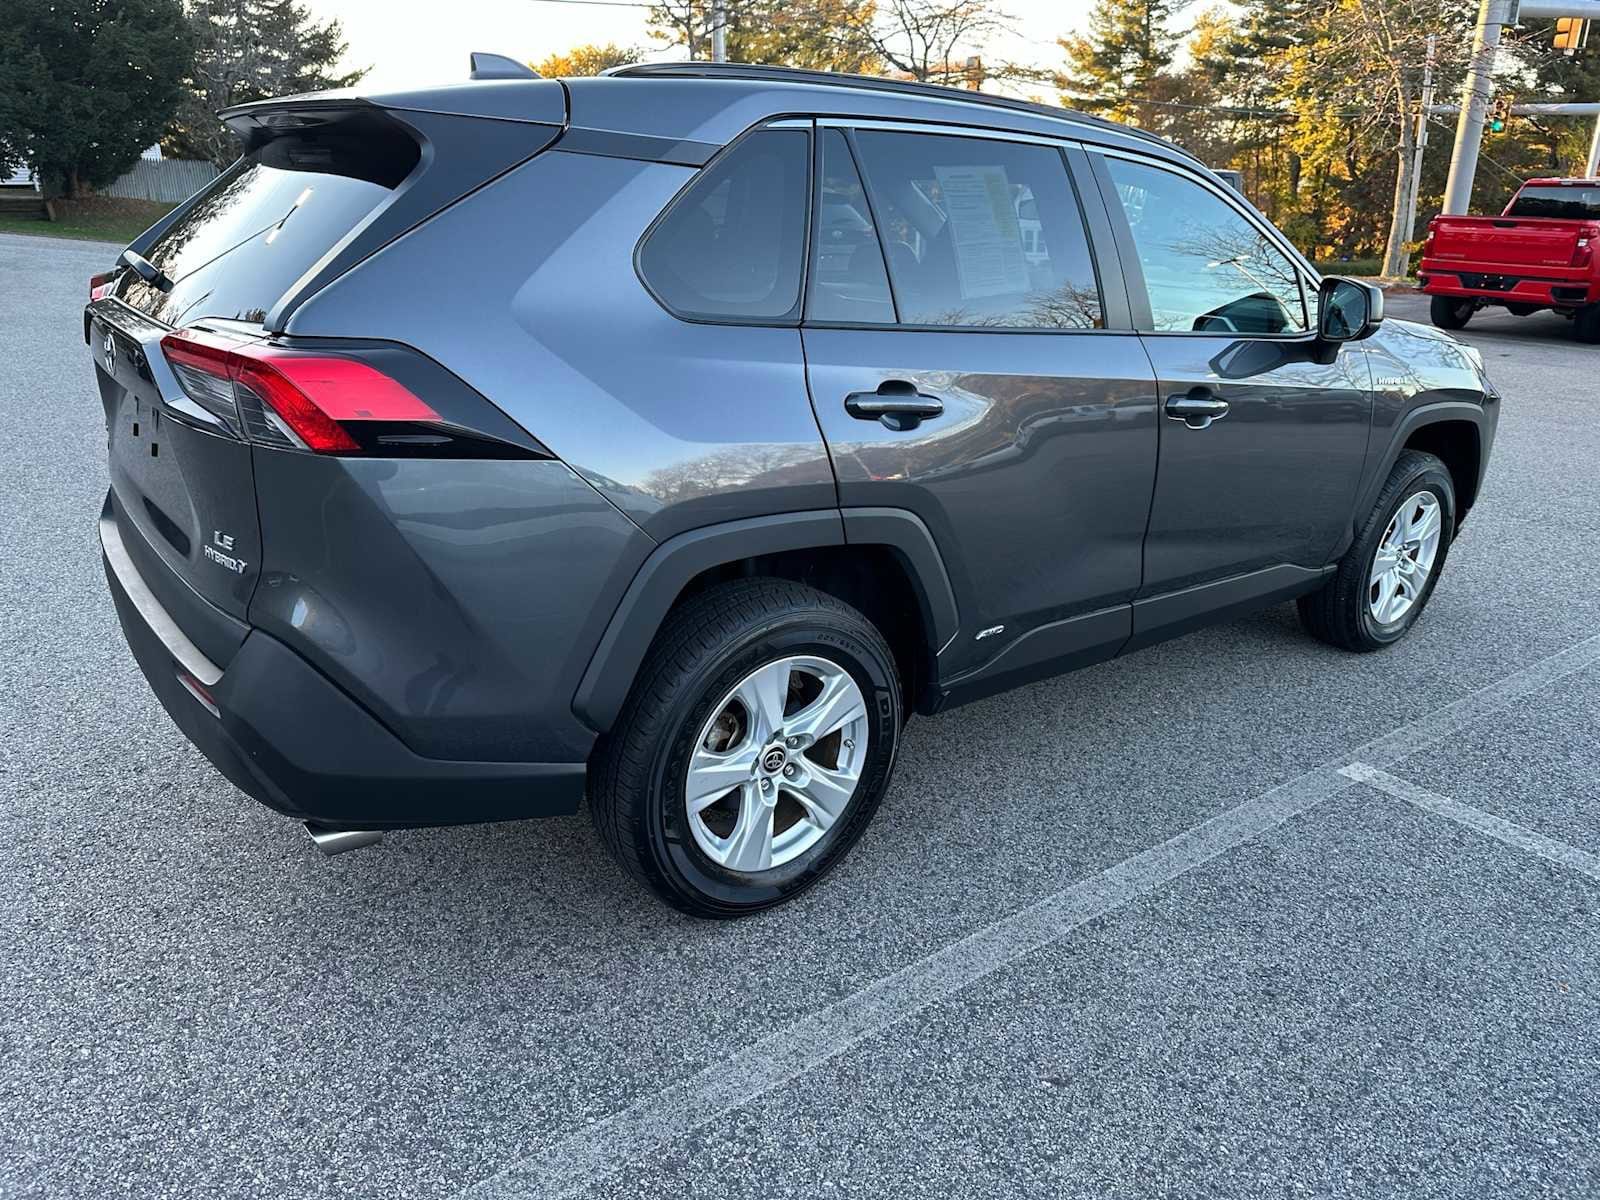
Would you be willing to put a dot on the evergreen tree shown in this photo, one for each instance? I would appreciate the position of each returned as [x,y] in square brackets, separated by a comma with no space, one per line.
[1116,65]
[251,50]
[86,85]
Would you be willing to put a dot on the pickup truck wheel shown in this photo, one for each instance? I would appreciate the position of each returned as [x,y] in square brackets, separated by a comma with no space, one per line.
[1385,579]
[1523,310]
[753,750]
[1586,325]
[1450,312]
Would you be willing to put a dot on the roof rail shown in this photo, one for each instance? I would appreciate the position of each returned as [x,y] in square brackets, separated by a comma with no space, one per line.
[877,83]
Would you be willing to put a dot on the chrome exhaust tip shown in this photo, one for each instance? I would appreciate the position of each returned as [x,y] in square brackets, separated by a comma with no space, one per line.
[340,841]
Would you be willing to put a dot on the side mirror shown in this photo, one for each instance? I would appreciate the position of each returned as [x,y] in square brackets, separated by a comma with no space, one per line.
[1348,310]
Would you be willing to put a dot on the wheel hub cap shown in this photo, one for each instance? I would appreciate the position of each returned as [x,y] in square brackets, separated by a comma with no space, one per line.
[1405,558]
[776,764]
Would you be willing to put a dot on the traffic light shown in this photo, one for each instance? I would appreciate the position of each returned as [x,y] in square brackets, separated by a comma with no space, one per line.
[1499,114]
[1571,33]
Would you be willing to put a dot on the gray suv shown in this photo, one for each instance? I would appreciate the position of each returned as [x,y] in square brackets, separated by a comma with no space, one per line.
[668,438]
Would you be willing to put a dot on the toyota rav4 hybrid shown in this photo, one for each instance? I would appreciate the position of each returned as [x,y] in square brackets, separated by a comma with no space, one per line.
[664,440]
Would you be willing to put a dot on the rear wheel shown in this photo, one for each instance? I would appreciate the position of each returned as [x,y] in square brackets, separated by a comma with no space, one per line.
[753,750]
[1450,312]
[1586,325]
[1385,579]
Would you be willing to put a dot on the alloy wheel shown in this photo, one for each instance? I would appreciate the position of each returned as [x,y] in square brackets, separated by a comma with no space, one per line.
[776,764]
[1405,558]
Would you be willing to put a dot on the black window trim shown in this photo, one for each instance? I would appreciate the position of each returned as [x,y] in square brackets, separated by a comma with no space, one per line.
[791,319]
[1138,289]
[1109,301]
[816,220]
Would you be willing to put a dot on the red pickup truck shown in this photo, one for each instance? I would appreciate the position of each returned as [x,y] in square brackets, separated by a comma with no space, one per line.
[1539,253]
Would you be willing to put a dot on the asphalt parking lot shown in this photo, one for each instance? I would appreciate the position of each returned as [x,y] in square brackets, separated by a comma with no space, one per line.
[1238,915]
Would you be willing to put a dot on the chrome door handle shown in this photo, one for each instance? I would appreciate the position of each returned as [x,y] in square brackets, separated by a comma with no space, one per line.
[1197,407]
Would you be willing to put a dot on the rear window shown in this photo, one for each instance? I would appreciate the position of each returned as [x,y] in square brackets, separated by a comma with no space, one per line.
[268,218]
[1572,203]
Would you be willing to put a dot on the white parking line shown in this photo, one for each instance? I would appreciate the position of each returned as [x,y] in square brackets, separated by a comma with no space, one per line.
[1509,832]
[597,1150]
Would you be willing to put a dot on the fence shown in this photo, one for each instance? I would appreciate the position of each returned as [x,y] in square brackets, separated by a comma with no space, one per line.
[170,180]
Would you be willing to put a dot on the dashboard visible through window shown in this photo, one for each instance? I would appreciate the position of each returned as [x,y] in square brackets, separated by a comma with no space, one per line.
[1206,268]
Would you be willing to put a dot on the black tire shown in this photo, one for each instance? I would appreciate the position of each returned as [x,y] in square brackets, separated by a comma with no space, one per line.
[1339,613]
[1524,310]
[1586,324]
[705,648]
[1450,312]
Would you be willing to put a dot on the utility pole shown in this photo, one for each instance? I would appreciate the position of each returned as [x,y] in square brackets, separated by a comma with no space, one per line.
[1409,224]
[1592,169]
[719,32]
[1475,94]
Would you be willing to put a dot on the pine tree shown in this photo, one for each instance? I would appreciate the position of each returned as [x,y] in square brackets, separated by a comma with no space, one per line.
[1115,66]
[251,50]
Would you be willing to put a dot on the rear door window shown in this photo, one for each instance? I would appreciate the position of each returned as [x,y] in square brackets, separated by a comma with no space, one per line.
[267,220]
[732,245]
[980,233]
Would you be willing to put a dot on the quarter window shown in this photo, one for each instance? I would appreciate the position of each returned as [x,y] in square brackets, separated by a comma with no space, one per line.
[732,245]
[1206,268]
[980,233]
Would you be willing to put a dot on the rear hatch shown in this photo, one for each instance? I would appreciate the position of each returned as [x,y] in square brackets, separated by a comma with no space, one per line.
[321,185]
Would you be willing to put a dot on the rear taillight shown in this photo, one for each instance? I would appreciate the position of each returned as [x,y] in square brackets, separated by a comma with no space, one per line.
[1583,253]
[341,398]
[100,285]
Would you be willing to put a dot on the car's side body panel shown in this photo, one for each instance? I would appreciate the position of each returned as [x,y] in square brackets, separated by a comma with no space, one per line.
[1035,482]
[458,600]
[678,424]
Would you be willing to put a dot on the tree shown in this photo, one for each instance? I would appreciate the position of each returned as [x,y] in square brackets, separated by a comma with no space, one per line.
[1116,65]
[251,50]
[824,35]
[587,60]
[930,39]
[86,85]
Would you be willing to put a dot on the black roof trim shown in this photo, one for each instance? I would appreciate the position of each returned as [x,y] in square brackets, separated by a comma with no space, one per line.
[876,83]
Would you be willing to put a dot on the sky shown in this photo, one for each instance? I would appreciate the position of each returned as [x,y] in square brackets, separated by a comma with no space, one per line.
[409,42]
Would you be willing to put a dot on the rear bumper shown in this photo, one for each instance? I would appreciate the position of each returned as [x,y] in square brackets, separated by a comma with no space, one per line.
[285,735]
[1553,289]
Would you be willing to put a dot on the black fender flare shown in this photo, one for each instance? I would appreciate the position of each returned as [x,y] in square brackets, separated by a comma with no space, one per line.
[1434,413]
[669,568]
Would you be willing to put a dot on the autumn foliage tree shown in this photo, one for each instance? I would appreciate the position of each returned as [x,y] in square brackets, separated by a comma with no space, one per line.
[588,59]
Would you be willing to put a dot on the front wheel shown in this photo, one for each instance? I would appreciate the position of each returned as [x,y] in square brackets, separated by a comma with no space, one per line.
[1385,579]
[1450,312]
[753,750]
